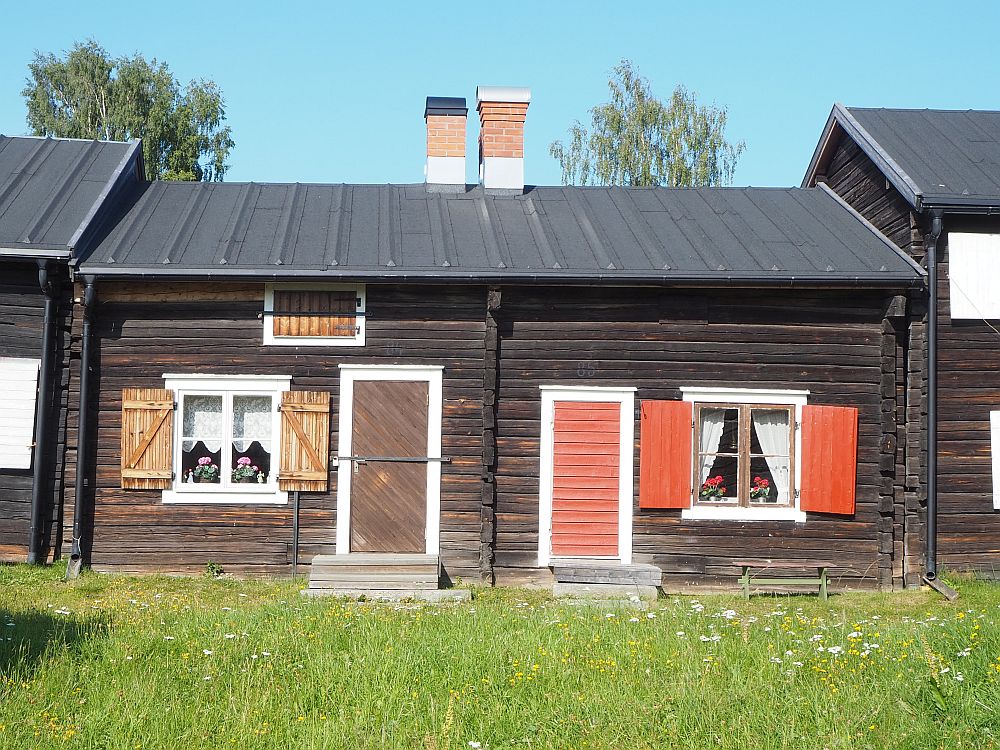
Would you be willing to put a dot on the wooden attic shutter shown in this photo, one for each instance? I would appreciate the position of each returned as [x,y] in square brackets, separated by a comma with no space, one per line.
[305,441]
[147,438]
[829,459]
[334,312]
[665,454]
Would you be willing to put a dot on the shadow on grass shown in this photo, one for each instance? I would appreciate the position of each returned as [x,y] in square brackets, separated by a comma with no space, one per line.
[27,639]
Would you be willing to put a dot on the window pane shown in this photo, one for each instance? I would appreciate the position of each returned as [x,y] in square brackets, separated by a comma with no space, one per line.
[201,444]
[769,432]
[251,448]
[769,481]
[203,420]
[770,443]
[719,484]
[718,434]
[198,463]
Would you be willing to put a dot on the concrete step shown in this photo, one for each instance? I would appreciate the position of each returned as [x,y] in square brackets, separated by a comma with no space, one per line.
[359,572]
[396,595]
[598,572]
[604,594]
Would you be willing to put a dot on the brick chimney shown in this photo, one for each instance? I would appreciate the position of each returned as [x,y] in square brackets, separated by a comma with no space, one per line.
[445,117]
[502,110]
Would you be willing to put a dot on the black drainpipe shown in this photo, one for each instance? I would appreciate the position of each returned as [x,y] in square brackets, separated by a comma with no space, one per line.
[83,430]
[937,223]
[49,289]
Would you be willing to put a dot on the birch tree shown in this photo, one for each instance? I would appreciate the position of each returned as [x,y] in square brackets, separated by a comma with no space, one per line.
[88,94]
[636,139]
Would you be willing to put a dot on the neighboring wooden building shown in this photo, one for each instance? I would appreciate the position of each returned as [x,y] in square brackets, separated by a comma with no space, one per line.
[53,195]
[901,169]
[499,377]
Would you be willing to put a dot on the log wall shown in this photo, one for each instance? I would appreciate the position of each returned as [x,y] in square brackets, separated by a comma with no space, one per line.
[146,330]
[21,319]
[659,341]
[969,387]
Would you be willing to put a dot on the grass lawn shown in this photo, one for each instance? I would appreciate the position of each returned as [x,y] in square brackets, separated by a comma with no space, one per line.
[119,662]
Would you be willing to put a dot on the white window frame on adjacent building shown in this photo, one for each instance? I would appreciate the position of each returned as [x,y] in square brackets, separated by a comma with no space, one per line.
[995,455]
[358,339]
[19,376]
[749,396]
[974,275]
[226,386]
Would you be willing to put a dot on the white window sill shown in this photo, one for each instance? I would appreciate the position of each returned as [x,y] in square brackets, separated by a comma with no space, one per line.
[730,513]
[256,496]
[315,341]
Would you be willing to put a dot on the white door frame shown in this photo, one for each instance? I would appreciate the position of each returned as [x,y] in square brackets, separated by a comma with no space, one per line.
[351,374]
[626,398]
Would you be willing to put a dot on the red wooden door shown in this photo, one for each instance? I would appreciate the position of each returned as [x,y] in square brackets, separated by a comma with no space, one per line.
[389,498]
[585,496]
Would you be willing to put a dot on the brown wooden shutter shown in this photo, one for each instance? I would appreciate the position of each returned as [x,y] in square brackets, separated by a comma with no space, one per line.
[305,441]
[324,306]
[829,459]
[147,438]
[665,454]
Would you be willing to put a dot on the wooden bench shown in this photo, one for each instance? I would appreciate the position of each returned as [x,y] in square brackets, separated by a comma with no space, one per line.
[777,579]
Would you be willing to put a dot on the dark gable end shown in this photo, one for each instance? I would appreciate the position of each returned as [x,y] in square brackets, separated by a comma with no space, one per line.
[946,158]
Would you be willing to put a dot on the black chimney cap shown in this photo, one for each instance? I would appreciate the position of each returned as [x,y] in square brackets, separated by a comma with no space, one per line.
[445,105]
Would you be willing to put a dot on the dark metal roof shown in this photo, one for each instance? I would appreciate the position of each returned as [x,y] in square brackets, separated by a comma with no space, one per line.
[710,235]
[52,188]
[933,157]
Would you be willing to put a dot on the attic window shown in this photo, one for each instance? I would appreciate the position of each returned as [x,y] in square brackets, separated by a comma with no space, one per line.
[305,314]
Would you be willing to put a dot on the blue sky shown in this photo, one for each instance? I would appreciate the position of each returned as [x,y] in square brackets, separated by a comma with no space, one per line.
[324,92]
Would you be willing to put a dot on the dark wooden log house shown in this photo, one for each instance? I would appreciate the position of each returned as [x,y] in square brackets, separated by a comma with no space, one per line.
[930,181]
[54,193]
[497,377]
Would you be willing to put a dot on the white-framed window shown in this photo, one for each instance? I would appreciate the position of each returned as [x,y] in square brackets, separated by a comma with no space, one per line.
[19,376]
[313,314]
[745,443]
[974,275]
[226,439]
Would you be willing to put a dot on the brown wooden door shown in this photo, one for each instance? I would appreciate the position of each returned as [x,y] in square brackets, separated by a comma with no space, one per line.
[586,451]
[389,498]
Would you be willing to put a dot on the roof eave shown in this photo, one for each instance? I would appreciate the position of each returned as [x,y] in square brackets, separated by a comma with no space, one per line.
[35,252]
[879,280]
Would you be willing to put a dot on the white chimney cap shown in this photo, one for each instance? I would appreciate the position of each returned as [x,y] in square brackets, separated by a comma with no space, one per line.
[503,94]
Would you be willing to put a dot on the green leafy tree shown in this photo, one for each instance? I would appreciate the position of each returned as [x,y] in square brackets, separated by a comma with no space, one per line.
[638,140]
[89,94]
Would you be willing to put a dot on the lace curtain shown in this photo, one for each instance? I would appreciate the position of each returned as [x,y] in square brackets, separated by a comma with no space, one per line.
[203,420]
[251,421]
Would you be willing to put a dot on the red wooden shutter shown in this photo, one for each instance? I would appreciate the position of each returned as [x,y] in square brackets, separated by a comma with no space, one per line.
[665,454]
[829,459]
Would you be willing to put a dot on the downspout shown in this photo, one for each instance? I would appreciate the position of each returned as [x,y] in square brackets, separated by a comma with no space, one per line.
[83,430]
[937,223]
[49,289]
